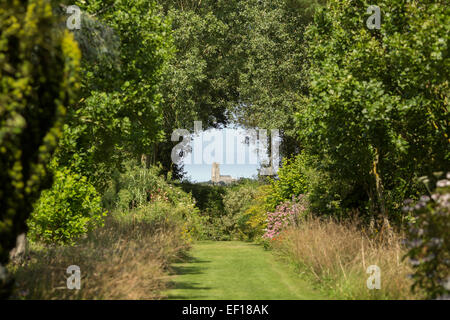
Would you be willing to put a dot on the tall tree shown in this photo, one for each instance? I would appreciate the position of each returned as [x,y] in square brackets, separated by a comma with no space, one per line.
[274,72]
[199,84]
[377,112]
[237,61]
[38,72]
[120,112]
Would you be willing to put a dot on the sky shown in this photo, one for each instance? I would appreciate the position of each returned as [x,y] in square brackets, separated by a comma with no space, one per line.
[232,148]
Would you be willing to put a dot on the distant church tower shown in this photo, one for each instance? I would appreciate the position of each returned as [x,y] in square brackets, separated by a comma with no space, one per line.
[215,173]
[216,177]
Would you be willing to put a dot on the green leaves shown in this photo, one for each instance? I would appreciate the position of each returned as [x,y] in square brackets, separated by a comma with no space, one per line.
[120,113]
[293,180]
[377,102]
[70,209]
[38,79]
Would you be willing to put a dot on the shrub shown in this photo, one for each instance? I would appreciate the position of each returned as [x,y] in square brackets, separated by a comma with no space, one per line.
[376,109]
[286,214]
[326,197]
[429,241]
[143,195]
[208,198]
[236,200]
[67,211]
[136,186]
[254,220]
[293,180]
[160,214]
[230,221]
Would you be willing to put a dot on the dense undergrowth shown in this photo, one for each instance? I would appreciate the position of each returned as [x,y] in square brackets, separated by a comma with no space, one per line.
[150,224]
[122,260]
[362,113]
[117,261]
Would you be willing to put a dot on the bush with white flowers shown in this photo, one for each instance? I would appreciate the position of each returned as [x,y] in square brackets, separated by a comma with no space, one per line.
[429,241]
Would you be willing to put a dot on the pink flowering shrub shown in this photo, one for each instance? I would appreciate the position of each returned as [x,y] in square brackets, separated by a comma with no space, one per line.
[286,214]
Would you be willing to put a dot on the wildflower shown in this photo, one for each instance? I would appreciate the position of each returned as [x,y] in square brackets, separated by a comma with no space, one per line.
[436,241]
[443,183]
[414,262]
[415,243]
[446,284]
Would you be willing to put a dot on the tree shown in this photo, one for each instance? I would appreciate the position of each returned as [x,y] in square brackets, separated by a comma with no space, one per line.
[236,61]
[273,75]
[377,109]
[119,114]
[38,72]
[199,83]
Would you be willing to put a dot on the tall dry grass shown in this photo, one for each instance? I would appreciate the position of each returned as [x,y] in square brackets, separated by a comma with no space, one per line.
[336,255]
[118,261]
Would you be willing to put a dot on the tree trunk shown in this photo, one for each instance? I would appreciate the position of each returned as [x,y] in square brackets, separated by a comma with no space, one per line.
[379,185]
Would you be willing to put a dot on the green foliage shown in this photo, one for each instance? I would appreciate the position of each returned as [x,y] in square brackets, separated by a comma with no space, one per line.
[38,76]
[162,214]
[238,197]
[141,194]
[236,201]
[208,198]
[236,60]
[98,42]
[377,110]
[292,180]
[429,241]
[272,56]
[253,221]
[120,113]
[223,208]
[326,197]
[198,84]
[135,186]
[67,211]
[364,111]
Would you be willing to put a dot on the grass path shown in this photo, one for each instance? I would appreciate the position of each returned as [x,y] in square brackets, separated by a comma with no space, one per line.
[235,270]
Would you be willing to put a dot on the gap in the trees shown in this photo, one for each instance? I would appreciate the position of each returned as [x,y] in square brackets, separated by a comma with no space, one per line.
[233,148]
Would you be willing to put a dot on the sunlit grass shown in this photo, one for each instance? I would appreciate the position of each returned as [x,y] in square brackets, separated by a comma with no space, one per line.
[232,270]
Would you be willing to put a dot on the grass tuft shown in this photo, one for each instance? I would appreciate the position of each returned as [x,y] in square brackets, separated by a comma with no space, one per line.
[336,256]
[118,261]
